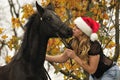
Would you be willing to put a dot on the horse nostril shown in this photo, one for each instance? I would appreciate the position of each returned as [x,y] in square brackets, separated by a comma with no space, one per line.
[70,32]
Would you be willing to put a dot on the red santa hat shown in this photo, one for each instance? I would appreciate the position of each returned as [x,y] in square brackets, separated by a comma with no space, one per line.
[88,26]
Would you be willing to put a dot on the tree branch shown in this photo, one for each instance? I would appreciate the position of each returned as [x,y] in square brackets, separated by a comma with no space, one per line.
[69,74]
[2,45]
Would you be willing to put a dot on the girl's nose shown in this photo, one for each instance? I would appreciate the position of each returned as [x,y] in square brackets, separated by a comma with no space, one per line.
[74,28]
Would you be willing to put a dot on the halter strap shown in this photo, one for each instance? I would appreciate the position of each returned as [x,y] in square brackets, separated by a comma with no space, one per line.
[47,74]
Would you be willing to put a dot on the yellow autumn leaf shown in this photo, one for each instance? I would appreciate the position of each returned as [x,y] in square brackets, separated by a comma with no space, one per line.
[111,55]
[13,43]
[105,23]
[111,27]
[55,51]
[104,2]
[45,2]
[22,21]
[99,12]
[67,65]
[10,45]
[101,16]
[4,37]
[8,59]
[60,65]
[15,22]
[57,41]
[95,11]
[112,2]
[111,44]
[50,42]
[85,4]
[105,16]
[75,66]
[1,30]
[27,11]
[14,39]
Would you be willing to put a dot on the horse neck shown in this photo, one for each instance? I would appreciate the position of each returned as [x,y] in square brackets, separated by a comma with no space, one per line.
[38,51]
[33,51]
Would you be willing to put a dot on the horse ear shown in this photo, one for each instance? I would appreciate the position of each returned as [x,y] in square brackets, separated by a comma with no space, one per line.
[51,6]
[39,9]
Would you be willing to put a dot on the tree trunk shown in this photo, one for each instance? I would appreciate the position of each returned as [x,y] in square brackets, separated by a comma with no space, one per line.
[117,31]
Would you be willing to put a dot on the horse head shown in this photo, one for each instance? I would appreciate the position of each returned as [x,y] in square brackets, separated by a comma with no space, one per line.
[53,25]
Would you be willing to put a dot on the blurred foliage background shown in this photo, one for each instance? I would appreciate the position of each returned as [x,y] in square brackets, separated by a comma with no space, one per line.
[106,12]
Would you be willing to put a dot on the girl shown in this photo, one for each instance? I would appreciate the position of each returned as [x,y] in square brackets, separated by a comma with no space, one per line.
[87,51]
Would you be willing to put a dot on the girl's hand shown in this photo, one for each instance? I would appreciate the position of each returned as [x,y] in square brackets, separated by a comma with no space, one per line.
[70,53]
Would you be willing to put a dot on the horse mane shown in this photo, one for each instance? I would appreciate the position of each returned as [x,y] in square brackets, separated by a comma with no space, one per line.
[30,20]
[26,39]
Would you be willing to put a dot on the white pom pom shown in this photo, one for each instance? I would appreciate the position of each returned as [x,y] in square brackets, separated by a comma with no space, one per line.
[93,37]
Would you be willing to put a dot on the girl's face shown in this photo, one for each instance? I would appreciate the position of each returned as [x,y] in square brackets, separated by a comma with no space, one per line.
[77,32]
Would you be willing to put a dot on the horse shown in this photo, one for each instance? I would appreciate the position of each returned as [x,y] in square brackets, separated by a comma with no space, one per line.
[28,63]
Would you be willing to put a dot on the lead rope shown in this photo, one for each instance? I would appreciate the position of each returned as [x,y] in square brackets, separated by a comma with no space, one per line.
[47,74]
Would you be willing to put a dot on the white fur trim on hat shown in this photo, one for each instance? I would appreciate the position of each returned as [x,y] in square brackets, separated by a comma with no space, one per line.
[83,26]
[93,37]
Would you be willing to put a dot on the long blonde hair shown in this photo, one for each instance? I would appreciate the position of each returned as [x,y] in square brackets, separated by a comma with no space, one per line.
[81,47]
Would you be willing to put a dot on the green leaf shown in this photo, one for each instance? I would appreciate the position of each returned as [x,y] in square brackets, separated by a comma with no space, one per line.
[90,14]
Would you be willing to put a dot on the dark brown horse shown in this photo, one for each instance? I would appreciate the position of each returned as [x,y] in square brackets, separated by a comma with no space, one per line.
[28,63]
